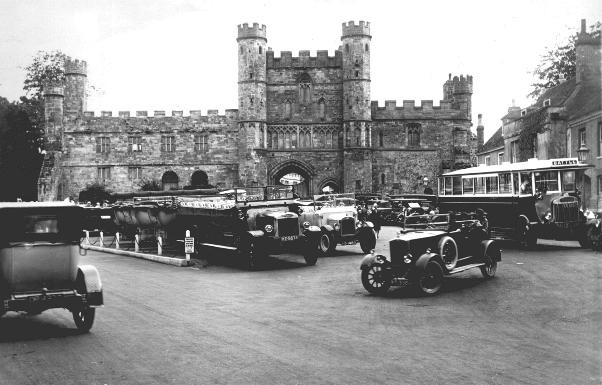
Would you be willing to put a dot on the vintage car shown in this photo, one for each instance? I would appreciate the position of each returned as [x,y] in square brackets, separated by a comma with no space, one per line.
[403,207]
[383,209]
[39,253]
[440,245]
[251,221]
[337,218]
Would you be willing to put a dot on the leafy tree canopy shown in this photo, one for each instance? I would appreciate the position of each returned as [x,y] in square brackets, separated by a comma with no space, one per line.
[45,68]
[557,63]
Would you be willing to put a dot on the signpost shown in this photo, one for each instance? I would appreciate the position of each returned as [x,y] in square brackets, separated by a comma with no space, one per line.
[188,245]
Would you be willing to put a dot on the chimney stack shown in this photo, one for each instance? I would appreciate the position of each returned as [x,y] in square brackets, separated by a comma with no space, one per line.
[480,132]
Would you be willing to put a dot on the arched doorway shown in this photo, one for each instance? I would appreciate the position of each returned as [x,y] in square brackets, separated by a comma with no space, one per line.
[295,173]
[170,181]
[199,179]
[328,186]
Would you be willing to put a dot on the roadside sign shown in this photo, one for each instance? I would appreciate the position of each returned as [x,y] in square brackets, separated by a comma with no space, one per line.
[189,245]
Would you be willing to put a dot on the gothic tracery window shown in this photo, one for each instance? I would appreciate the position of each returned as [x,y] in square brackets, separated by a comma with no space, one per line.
[322,109]
[304,88]
[414,135]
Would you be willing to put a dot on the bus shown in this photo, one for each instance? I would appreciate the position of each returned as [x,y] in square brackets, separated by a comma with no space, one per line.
[524,201]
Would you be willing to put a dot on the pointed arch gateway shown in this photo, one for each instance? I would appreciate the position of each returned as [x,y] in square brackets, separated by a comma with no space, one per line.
[293,166]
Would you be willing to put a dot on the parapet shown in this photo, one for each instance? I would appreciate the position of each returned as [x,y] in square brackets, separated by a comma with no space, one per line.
[253,32]
[350,29]
[304,59]
[212,115]
[75,67]
[410,110]
[54,90]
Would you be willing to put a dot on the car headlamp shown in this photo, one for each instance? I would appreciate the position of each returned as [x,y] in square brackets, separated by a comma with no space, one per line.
[306,225]
[337,226]
[268,228]
[407,258]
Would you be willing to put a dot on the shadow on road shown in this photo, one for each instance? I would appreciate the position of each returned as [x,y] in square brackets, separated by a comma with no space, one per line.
[16,327]
[452,284]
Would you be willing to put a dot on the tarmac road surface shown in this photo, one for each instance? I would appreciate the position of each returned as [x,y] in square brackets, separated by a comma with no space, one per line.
[538,321]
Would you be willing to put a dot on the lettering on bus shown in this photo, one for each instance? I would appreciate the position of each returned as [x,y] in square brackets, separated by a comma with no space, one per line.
[566,162]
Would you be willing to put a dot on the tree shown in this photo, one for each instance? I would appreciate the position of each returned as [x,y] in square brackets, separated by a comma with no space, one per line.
[45,68]
[150,185]
[94,193]
[557,63]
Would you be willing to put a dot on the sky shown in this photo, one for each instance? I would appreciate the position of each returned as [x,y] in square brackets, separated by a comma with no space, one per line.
[182,54]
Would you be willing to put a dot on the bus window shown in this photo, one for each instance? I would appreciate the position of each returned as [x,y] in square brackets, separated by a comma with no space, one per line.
[505,183]
[491,184]
[515,183]
[568,181]
[457,185]
[441,189]
[467,185]
[525,183]
[479,185]
[448,185]
[546,181]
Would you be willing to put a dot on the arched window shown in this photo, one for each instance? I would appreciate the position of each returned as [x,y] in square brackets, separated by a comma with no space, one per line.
[380,139]
[346,48]
[367,48]
[358,137]
[304,88]
[199,179]
[260,49]
[287,109]
[322,109]
[382,178]
[414,135]
[170,181]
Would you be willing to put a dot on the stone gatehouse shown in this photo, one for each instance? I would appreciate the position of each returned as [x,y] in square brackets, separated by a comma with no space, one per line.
[303,115]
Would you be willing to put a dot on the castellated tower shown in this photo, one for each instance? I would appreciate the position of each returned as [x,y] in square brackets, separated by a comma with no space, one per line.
[252,45]
[459,92]
[76,76]
[53,110]
[356,106]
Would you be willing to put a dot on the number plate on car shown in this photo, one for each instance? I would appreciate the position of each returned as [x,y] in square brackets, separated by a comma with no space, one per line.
[289,237]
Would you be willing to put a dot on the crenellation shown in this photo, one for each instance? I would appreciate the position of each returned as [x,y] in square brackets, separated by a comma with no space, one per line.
[350,29]
[159,114]
[124,114]
[75,67]
[177,113]
[408,105]
[89,114]
[304,60]
[106,114]
[141,114]
[253,32]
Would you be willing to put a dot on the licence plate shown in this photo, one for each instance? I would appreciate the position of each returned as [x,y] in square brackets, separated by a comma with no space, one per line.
[289,237]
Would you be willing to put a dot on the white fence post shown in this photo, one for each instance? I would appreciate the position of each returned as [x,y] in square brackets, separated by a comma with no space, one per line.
[87,241]
[117,236]
[102,244]
[187,235]
[159,245]
[136,240]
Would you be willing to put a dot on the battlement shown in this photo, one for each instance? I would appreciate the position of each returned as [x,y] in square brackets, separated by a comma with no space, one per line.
[54,90]
[230,114]
[350,29]
[459,84]
[304,59]
[253,32]
[410,106]
[75,67]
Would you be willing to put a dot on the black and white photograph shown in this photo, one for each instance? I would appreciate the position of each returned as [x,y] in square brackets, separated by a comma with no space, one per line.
[311,192]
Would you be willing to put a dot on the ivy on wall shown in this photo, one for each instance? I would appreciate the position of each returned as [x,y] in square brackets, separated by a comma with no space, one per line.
[532,124]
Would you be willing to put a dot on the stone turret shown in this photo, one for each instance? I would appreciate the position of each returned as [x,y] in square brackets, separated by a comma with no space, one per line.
[76,76]
[587,47]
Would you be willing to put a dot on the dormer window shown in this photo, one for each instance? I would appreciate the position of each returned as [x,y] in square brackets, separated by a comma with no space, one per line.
[547,103]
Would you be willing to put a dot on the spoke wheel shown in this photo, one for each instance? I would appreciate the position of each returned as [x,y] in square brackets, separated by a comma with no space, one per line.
[376,280]
[84,318]
[490,267]
[431,280]
[326,242]
[449,252]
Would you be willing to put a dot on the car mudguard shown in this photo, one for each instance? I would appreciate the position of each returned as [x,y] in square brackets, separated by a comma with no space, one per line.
[421,262]
[312,230]
[256,233]
[371,259]
[368,224]
[90,277]
[327,228]
[492,246]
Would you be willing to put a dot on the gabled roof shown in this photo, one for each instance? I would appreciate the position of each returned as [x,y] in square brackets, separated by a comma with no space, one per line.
[496,140]
[557,94]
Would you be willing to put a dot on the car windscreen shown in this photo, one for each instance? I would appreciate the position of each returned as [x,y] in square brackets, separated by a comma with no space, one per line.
[26,225]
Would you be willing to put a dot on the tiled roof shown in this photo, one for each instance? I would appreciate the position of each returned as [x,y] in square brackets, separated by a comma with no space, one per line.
[496,140]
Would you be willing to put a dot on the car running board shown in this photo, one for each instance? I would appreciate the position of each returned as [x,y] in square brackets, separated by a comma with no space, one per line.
[465,267]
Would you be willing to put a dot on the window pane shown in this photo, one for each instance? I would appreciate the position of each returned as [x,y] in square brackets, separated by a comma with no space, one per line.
[467,185]
[479,185]
[525,183]
[505,184]
[568,181]
[491,185]
[546,181]
[448,185]
[457,185]
[441,183]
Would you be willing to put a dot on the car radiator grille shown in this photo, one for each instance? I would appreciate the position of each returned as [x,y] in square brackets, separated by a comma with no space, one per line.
[347,226]
[566,209]
[398,248]
[288,226]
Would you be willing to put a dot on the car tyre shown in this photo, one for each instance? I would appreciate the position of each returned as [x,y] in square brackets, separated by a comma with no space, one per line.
[431,279]
[84,318]
[376,280]
[490,267]
[367,240]
[326,243]
[448,250]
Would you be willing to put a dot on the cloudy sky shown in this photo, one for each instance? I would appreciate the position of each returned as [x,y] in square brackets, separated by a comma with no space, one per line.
[182,54]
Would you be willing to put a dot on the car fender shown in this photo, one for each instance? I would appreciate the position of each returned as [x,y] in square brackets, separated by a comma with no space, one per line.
[90,277]
[256,233]
[420,264]
[492,246]
[372,259]
[327,228]
[368,224]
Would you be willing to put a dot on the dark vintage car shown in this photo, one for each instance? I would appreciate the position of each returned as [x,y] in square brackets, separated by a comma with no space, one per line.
[39,262]
[435,246]
[251,221]
[403,207]
[337,218]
